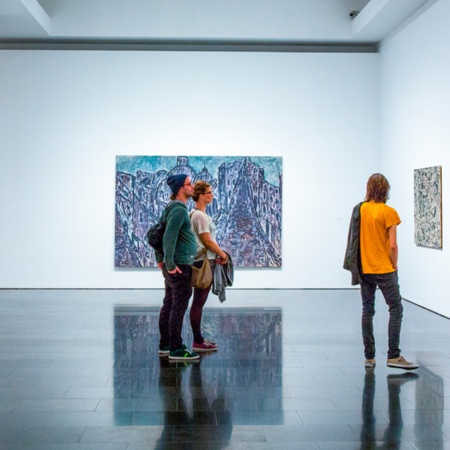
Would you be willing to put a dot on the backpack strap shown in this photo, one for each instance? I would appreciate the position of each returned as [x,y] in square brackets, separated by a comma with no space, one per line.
[192,213]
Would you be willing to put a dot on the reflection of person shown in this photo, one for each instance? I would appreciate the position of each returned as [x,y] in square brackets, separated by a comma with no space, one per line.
[378,253]
[179,249]
[170,391]
[208,411]
[205,232]
[187,405]
[368,425]
[393,433]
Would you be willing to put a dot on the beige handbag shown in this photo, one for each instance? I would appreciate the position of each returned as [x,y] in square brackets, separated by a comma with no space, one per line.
[202,277]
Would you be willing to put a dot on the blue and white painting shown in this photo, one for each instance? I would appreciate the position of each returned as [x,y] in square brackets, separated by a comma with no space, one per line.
[246,209]
[428,207]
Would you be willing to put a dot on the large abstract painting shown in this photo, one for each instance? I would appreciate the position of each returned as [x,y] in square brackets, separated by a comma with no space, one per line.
[246,208]
[428,207]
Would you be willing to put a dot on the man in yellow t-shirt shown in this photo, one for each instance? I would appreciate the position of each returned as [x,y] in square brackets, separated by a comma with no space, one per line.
[379,257]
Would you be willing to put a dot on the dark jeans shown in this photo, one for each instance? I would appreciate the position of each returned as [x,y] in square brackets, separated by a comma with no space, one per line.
[200,297]
[388,284]
[178,291]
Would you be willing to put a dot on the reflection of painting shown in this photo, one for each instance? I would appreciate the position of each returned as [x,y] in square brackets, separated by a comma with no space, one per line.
[428,207]
[245,373]
[246,208]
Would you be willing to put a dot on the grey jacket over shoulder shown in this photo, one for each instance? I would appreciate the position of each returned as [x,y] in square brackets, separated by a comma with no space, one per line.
[352,260]
[223,277]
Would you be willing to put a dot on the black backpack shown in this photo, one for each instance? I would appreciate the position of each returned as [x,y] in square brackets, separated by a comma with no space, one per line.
[155,233]
[155,236]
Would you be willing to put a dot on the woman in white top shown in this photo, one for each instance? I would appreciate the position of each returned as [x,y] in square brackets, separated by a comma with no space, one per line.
[205,234]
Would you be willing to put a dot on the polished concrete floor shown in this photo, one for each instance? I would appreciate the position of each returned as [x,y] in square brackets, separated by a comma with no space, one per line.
[80,370]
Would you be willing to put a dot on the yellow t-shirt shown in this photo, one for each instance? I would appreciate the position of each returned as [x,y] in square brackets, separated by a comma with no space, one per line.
[376,219]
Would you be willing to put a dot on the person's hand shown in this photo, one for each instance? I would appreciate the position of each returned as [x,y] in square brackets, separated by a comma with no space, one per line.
[222,261]
[174,271]
[160,265]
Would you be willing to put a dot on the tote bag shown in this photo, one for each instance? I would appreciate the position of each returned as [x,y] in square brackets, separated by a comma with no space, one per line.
[202,277]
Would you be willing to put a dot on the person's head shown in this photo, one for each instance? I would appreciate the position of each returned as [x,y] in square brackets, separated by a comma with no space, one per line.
[377,188]
[181,186]
[202,191]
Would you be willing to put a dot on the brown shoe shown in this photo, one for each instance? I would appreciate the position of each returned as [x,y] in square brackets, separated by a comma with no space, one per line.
[401,363]
[370,363]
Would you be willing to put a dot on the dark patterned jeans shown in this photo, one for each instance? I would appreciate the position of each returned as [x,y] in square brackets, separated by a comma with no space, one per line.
[178,291]
[388,284]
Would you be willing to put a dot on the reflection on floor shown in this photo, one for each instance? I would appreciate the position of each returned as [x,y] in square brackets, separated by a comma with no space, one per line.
[80,370]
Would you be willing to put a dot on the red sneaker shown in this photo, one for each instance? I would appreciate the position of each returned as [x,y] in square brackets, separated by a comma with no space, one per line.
[205,346]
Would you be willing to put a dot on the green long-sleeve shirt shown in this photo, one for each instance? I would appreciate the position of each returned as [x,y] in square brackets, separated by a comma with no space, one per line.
[179,244]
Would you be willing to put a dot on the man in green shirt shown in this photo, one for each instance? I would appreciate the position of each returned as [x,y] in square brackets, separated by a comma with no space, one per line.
[179,249]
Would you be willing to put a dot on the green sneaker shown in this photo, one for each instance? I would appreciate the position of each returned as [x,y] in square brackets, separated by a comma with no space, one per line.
[164,351]
[182,354]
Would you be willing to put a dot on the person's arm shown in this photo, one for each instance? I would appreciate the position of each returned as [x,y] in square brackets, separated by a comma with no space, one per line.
[173,226]
[212,246]
[201,226]
[159,259]
[393,247]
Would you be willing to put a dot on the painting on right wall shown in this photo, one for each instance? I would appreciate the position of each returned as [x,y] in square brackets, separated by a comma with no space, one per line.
[428,207]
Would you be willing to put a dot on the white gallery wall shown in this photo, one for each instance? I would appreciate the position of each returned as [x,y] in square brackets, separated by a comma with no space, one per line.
[65,115]
[415,133]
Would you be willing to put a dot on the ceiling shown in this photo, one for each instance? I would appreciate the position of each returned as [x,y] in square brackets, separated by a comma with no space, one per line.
[311,22]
